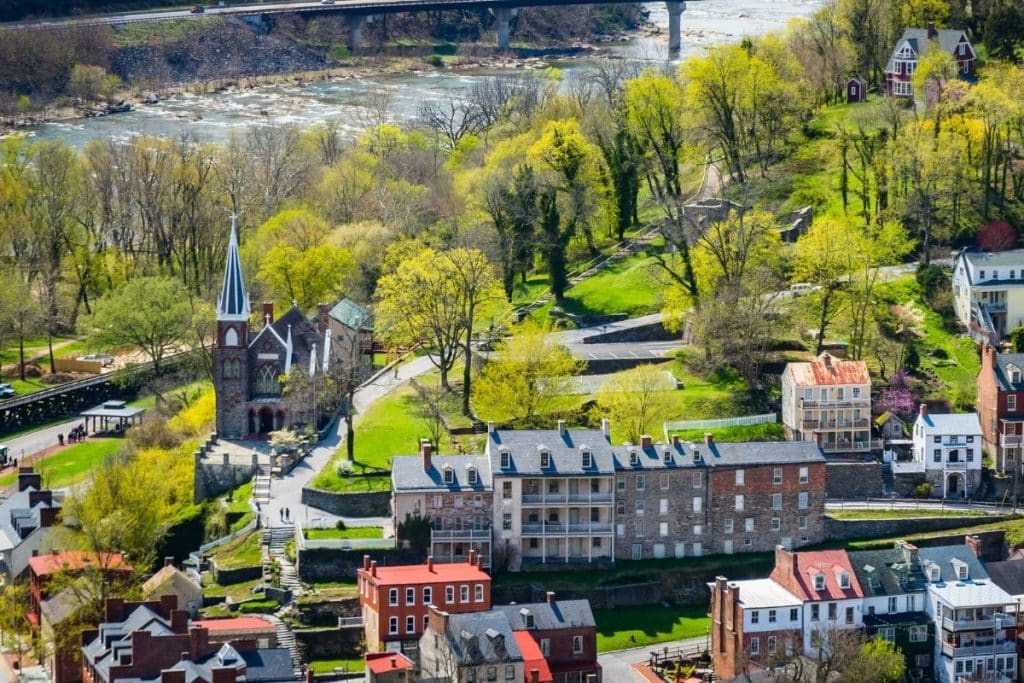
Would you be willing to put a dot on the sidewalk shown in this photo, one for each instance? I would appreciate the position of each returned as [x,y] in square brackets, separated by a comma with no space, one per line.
[619,666]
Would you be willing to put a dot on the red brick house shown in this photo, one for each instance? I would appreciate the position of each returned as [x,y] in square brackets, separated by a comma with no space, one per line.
[389,667]
[899,73]
[1000,407]
[395,600]
[565,633]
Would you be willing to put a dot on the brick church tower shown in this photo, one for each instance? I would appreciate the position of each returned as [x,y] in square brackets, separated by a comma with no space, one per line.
[231,351]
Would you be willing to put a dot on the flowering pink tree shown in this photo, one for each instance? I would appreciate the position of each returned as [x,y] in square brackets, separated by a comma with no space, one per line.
[898,398]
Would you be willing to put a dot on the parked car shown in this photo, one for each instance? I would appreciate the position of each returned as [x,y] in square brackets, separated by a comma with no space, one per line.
[198,9]
[103,358]
[326,2]
[7,391]
[801,288]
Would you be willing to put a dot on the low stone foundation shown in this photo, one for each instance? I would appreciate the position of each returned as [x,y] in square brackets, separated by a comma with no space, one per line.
[341,565]
[370,504]
[848,530]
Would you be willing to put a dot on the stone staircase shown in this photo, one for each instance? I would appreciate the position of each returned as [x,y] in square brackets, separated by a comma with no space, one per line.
[275,538]
[261,488]
[286,639]
[888,482]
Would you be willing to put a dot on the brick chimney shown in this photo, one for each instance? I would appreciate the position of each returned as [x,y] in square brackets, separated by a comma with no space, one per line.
[179,621]
[437,621]
[785,569]
[373,568]
[225,674]
[561,426]
[676,440]
[534,675]
[322,317]
[309,674]
[709,439]
[923,410]
[490,426]
[974,543]
[551,597]
[425,449]
[932,33]
[646,441]
[479,561]
[168,561]
[268,311]
[606,427]
[113,610]
[27,477]
[470,556]
[366,563]
[430,563]
[172,676]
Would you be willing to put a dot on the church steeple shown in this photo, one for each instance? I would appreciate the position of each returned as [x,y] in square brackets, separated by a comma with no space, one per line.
[233,303]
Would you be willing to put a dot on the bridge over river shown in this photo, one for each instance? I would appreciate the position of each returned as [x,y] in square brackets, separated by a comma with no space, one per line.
[358,13]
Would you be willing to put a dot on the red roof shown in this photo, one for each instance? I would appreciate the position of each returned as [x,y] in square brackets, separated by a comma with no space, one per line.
[383,662]
[238,624]
[532,657]
[408,574]
[43,565]
[826,369]
[830,563]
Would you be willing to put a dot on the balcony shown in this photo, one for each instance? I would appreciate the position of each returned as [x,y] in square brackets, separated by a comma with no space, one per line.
[984,624]
[557,529]
[834,424]
[545,499]
[460,535]
[954,465]
[835,404]
[979,647]
[1010,440]
[562,499]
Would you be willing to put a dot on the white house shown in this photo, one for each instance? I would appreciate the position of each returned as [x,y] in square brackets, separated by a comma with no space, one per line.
[947,450]
[988,291]
[828,401]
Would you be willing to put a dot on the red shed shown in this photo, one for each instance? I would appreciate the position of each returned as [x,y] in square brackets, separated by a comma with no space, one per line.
[856,89]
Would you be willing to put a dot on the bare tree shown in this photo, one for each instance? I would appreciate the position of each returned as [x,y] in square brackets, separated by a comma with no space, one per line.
[452,119]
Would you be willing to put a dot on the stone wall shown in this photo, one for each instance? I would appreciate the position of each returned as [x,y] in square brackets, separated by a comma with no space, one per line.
[372,504]
[341,565]
[226,577]
[214,478]
[338,642]
[640,333]
[847,530]
[326,611]
[854,479]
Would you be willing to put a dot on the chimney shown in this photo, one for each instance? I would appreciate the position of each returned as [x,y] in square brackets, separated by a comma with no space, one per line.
[479,561]
[470,556]
[322,313]
[224,674]
[179,621]
[785,566]
[366,562]
[425,448]
[168,561]
[268,311]
[908,551]
[373,568]
[826,358]
[646,441]
[932,33]
[561,426]
[437,620]
[113,610]
[923,410]
[394,662]
[606,427]
[185,656]
[309,674]
[676,440]
[974,543]
[430,563]
[709,439]
[490,426]
[28,478]
[551,597]
[175,676]
[534,675]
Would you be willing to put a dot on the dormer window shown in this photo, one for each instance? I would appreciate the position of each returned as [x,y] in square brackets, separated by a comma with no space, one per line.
[933,573]
[697,457]
[587,458]
[528,620]
[667,456]
[471,475]
[545,458]
[449,475]
[960,568]
[1014,373]
[844,580]
[634,458]
[506,459]
[819,582]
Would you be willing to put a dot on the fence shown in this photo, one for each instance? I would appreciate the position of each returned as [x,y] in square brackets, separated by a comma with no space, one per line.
[93,367]
[744,421]
[196,556]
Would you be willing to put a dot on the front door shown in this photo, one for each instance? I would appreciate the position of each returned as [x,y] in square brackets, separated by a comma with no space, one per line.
[266,420]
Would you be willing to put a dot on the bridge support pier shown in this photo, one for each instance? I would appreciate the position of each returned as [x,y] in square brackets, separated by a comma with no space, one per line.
[355,29]
[504,15]
[675,16]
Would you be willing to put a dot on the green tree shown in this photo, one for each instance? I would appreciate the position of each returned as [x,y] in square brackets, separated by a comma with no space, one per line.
[637,401]
[1004,32]
[1017,339]
[523,378]
[20,316]
[14,626]
[150,314]
[514,212]
[307,277]
[91,82]
[877,660]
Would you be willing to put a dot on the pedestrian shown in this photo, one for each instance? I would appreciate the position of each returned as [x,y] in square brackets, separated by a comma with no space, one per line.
[281,512]
[60,439]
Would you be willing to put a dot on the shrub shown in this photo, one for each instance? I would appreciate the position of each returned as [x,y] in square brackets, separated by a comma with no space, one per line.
[924,490]
[340,525]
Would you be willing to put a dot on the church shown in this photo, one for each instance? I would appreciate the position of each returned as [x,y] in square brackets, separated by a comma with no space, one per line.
[251,357]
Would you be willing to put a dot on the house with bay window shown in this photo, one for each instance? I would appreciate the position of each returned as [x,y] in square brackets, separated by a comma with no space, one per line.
[899,72]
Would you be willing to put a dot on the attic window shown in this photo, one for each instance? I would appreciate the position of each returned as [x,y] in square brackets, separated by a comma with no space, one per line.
[471,475]
[933,573]
[506,459]
[449,475]
[819,582]
[588,458]
[527,618]
[634,458]
[960,568]
[667,456]
[545,458]
[696,455]
[844,580]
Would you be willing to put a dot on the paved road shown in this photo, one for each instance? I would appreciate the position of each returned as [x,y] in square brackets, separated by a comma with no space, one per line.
[618,666]
[33,442]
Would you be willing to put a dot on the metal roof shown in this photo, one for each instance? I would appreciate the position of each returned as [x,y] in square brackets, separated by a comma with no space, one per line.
[234,300]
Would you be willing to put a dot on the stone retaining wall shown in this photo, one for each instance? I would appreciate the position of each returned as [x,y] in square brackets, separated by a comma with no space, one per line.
[341,565]
[370,504]
[847,530]
[226,577]
[854,480]
[338,642]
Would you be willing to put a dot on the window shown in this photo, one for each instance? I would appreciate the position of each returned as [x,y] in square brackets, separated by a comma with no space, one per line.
[459,501]
[856,392]
[545,459]
[438,501]
[892,605]
[471,476]
[634,458]
[755,646]
[970,455]
[844,580]
[698,479]
[776,501]
[728,526]
[815,612]
[772,640]
[663,528]
[698,503]
[801,522]
[819,582]
[970,439]
[449,475]
[588,459]
[803,475]
[755,617]
[833,611]
[428,595]
[510,672]
[802,500]
[641,482]
[506,490]
[393,626]
[739,502]
[449,595]
[463,593]
[410,624]
[919,633]
[888,633]
[740,477]
[794,614]
[620,483]
[772,616]
[545,647]
[393,597]
[577,644]
[638,551]
[640,507]
[426,622]
[777,476]
[266,381]
[638,527]
[506,521]
[410,596]
[849,615]
[776,524]
[620,507]
[748,524]
[664,481]
[1011,403]
[478,593]
[667,456]
[937,455]
[937,439]
[506,460]
[620,530]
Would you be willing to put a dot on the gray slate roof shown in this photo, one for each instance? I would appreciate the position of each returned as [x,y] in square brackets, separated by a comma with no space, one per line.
[889,573]
[994,259]
[953,423]
[525,445]
[1008,575]
[18,520]
[351,315]
[482,638]
[407,473]
[944,554]
[918,39]
[717,454]
[1002,372]
[549,617]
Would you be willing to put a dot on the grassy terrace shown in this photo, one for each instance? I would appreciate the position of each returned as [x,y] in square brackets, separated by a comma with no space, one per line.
[72,464]
[625,627]
[322,666]
[350,532]
[855,515]
[241,552]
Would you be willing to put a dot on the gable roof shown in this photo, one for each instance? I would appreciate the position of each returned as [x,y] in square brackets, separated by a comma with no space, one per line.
[415,574]
[565,448]
[533,659]
[235,625]
[944,555]
[43,565]
[351,315]
[1003,371]
[407,473]
[18,518]
[830,563]
[952,423]
[168,580]
[886,572]
[383,662]
[482,638]
[948,39]
[1008,575]
[550,616]
[827,370]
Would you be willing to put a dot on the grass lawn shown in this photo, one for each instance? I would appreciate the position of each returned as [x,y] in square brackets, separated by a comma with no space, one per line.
[241,552]
[28,386]
[770,431]
[350,532]
[722,394]
[631,285]
[900,514]
[239,505]
[390,427]
[71,465]
[236,591]
[1014,529]
[192,390]
[321,666]
[625,627]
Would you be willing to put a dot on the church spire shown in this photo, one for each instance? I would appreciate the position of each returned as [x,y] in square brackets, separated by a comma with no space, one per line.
[234,301]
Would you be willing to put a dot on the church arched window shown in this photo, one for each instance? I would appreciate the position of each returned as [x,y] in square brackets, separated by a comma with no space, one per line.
[231,337]
[266,381]
[232,368]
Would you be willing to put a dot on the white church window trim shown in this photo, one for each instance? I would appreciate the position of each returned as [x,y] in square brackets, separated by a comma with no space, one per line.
[266,382]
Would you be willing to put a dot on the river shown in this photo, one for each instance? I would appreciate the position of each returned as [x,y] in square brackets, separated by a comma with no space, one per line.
[212,117]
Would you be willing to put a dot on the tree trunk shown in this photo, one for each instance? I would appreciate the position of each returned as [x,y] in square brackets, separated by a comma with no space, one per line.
[467,372]
[350,432]
[21,354]
[49,346]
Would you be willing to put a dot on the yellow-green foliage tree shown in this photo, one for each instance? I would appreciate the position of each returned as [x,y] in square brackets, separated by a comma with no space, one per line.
[307,277]
[524,377]
[637,401]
